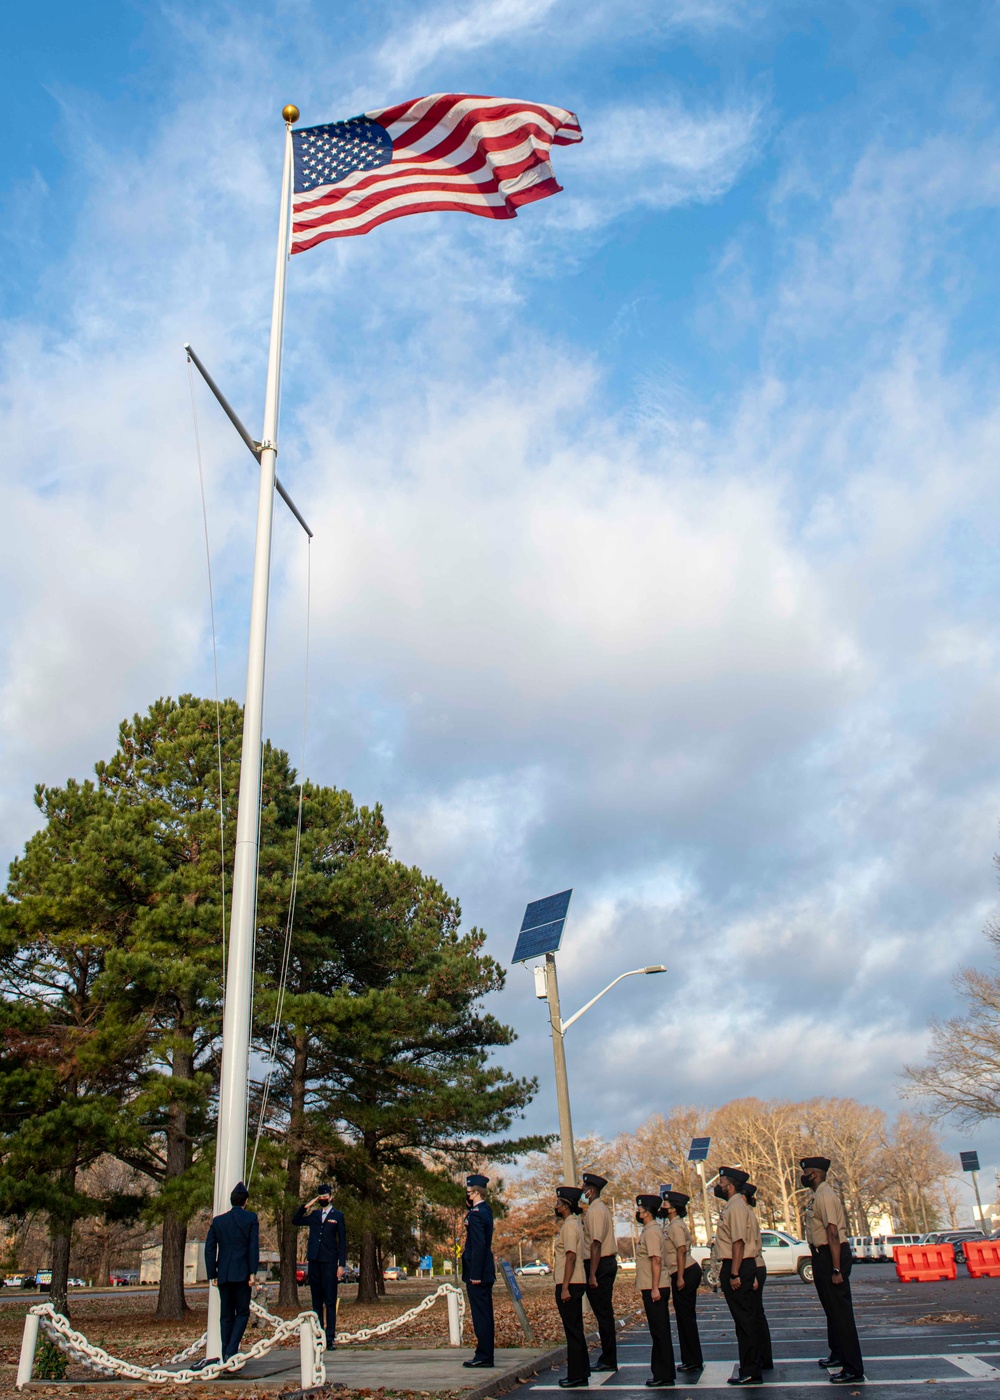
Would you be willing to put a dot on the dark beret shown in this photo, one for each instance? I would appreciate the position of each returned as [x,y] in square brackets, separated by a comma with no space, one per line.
[592,1179]
[821,1163]
[734,1174]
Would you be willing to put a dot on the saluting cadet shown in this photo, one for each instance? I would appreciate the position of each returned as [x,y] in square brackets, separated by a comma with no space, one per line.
[478,1270]
[571,1285]
[326,1256]
[651,1281]
[738,1243]
[602,1266]
[685,1278]
[826,1231]
[764,1331]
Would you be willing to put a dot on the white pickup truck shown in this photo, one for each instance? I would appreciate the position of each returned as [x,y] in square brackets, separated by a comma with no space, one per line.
[783,1254]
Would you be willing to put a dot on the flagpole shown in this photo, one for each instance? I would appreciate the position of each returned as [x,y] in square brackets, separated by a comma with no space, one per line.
[231,1136]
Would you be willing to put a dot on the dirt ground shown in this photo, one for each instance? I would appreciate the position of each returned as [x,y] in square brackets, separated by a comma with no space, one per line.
[125,1326]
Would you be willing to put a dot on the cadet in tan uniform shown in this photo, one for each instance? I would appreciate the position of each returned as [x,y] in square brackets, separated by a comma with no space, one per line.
[737,1242]
[764,1331]
[571,1286]
[602,1266]
[826,1231]
[650,1273]
[685,1278]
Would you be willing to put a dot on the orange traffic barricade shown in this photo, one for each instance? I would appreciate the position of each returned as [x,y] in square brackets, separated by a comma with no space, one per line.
[982,1258]
[924,1263]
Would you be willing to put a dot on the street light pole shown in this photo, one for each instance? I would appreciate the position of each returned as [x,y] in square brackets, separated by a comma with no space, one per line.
[704,1199]
[562,1081]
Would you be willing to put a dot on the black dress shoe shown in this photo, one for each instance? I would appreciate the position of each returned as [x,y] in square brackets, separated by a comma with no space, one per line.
[470,1365]
[699,1367]
[601,1367]
[745,1380]
[829,1361]
[205,1361]
[567,1384]
[846,1378]
[657,1385]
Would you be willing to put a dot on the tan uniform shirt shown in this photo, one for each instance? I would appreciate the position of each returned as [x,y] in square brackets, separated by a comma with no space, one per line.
[598,1225]
[738,1222]
[650,1246]
[570,1241]
[674,1236]
[825,1210]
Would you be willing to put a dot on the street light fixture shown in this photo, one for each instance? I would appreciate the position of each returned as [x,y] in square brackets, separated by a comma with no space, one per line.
[547,986]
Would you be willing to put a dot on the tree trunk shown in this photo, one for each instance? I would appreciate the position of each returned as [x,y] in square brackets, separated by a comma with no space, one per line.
[288,1289]
[368,1269]
[61,1231]
[171,1304]
[170,1301]
[379,1270]
[103,1279]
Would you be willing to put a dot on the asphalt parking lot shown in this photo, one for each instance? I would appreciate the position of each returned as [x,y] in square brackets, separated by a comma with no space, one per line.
[959,1345]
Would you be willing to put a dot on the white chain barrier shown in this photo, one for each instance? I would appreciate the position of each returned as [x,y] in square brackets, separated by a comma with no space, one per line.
[76,1346]
[58,1329]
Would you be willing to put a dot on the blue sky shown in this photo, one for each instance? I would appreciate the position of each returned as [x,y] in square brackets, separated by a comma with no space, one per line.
[656,531]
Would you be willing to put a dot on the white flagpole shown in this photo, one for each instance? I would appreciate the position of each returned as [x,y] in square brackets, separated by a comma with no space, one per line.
[232,1130]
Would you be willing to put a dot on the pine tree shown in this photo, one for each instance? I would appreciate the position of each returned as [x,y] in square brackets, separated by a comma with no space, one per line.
[69,1054]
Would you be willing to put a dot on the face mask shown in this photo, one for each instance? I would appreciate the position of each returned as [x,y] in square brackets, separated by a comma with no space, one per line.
[638,1216]
[722,1193]
[806,1180]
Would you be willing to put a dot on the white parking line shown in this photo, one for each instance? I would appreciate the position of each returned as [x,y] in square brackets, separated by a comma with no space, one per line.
[973,1366]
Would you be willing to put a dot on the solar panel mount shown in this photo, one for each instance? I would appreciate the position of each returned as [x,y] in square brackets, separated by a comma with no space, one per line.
[542,926]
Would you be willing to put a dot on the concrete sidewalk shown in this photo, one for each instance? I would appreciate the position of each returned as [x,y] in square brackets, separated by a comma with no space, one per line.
[429,1369]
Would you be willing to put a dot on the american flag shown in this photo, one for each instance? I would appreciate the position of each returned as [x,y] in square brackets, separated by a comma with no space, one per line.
[483,155]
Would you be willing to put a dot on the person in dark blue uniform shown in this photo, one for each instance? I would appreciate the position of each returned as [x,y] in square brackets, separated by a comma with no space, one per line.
[232,1257]
[327,1256]
[478,1270]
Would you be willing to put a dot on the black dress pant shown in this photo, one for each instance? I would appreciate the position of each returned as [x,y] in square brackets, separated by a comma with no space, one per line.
[323,1287]
[744,1313]
[842,1330]
[602,1302]
[571,1316]
[763,1331]
[234,1302]
[480,1297]
[685,1305]
[661,1358]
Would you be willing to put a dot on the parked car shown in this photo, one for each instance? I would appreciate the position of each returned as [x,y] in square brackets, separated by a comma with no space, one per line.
[783,1254]
[626,1266]
[352,1274]
[14,1281]
[393,1274]
[956,1238]
[864,1248]
[536,1268]
[885,1244]
[124,1278]
[77,1282]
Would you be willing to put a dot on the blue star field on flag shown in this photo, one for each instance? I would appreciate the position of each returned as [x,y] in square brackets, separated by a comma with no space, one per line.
[326,154]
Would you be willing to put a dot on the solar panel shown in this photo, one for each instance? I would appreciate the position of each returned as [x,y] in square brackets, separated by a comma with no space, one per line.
[699,1149]
[970,1161]
[542,926]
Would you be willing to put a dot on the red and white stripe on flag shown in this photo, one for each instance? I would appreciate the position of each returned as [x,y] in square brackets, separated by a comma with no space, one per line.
[450,151]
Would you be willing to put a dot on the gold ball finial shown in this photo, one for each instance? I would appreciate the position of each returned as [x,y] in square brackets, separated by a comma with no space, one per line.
[290,113]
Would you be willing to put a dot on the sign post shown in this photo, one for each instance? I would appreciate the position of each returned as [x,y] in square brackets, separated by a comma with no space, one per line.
[514,1289]
[970,1163]
[698,1153]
